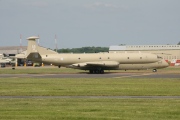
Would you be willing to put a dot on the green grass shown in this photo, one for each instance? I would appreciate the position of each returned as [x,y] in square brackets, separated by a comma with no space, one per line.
[89,86]
[86,109]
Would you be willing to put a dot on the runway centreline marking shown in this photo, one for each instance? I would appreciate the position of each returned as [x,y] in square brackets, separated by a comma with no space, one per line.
[134,75]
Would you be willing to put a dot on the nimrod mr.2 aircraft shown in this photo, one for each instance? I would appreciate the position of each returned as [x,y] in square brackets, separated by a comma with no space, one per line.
[94,62]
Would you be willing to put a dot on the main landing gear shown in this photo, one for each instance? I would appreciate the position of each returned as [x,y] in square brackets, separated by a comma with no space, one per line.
[96,71]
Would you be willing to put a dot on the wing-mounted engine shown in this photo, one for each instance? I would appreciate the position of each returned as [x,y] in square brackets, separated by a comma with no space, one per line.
[104,64]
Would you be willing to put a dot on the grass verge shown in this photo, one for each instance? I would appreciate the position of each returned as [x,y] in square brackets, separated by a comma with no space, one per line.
[93,108]
[89,87]
[86,109]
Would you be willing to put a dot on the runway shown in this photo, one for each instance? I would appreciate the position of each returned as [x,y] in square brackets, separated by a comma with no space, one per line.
[86,75]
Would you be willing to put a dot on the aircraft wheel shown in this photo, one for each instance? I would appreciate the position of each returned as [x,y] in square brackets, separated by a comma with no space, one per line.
[102,71]
[91,71]
[154,70]
[97,71]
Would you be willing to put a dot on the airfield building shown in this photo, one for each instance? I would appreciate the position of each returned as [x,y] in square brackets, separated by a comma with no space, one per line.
[12,51]
[170,53]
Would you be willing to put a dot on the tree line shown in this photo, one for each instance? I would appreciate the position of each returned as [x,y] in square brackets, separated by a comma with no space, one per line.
[84,50]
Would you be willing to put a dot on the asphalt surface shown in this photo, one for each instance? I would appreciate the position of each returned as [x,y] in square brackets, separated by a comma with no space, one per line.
[86,75]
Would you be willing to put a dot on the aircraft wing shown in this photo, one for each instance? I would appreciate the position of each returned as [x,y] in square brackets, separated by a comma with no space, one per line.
[4,61]
[97,64]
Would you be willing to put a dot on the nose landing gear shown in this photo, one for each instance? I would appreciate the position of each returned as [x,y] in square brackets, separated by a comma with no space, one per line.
[154,70]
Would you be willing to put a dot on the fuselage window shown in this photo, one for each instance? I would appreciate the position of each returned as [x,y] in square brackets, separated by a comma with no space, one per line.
[79,58]
[46,55]
[127,57]
[140,57]
[100,58]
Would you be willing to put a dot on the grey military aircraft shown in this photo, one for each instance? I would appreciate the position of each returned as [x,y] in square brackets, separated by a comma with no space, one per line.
[94,62]
[4,59]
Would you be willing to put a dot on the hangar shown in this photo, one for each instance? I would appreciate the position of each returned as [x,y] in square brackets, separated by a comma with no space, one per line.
[12,51]
[170,53]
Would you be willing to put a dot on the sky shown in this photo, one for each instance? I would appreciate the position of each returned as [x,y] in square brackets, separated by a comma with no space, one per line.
[81,23]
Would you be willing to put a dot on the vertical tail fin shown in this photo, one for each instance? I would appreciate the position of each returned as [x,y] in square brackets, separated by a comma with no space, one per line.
[32,45]
[35,52]
[32,49]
